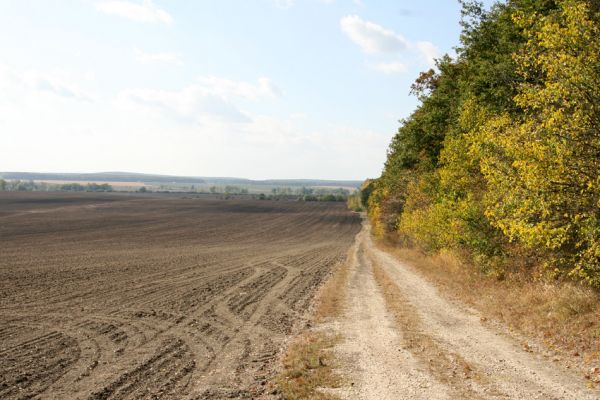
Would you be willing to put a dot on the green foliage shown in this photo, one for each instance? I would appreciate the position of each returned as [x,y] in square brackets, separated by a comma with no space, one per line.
[354,202]
[502,155]
[359,200]
[543,166]
[365,191]
[324,197]
[91,187]
[18,185]
[419,139]
[72,187]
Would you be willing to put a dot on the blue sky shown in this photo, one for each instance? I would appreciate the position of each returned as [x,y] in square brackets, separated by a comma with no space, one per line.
[256,89]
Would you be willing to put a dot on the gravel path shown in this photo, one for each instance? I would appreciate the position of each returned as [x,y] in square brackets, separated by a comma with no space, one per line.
[403,340]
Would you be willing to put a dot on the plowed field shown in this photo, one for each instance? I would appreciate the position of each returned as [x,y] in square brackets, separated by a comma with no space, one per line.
[122,297]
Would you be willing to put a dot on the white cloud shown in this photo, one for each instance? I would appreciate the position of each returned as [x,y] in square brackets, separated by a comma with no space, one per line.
[267,86]
[394,67]
[228,89]
[284,4]
[223,140]
[372,38]
[60,84]
[191,103]
[157,58]
[212,126]
[209,99]
[376,40]
[141,12]
[429,52]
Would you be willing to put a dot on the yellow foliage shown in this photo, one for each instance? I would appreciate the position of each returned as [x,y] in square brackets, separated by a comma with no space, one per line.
[543,169]
[375,199]
[519,159]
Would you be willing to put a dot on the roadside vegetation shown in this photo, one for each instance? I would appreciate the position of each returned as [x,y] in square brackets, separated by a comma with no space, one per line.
[308,368]
[491,186]
[562,317]
[309,365]
[359,200]
[500,161]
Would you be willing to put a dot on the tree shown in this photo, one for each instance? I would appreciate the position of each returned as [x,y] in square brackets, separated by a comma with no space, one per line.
[543,166]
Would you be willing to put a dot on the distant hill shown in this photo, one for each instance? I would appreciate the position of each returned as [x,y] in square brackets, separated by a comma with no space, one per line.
[99,177]
[150,178]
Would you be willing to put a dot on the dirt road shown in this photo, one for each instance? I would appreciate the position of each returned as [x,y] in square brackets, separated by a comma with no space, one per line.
[404,340]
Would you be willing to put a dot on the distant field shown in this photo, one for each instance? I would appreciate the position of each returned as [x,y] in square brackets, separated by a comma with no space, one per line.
[115,296]
[116,184]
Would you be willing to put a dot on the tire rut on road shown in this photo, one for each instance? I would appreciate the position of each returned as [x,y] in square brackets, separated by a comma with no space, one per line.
[404,340]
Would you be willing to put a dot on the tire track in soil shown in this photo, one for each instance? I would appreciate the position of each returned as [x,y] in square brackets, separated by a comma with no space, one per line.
[161,376]
[28,369]
[158,297]
[251,340]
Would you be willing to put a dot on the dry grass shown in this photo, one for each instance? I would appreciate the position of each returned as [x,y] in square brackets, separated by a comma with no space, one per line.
[308,364]
[564,317]
[332,296]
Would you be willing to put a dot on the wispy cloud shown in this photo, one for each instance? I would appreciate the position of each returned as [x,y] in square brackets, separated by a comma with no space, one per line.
[284,4]
[229,89]
[394,67]
[191,103]
[372,38]
[141,12]
[30,81]
[428,51]
[157,58]
[208,99]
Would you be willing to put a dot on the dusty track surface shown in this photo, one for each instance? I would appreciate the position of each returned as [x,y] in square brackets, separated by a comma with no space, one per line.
[119,297]
[403,340]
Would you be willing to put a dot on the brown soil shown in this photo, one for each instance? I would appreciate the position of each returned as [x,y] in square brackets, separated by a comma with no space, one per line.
[107,296]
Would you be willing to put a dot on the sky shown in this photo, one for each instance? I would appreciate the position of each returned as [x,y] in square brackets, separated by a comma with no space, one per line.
[242,88]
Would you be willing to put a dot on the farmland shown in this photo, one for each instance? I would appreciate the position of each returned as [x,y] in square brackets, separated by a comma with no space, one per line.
[115,296]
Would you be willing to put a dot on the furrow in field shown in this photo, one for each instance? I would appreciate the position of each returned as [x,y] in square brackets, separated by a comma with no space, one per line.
[156,296]
[163,375]
[28,369]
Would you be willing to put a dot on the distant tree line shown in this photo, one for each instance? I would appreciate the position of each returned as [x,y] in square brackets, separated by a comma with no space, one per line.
[324,197]
[287,193]
[32,186]
[359,200]
[307,197]
[276,193]
[228,189]
[22,186]
[90,187]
